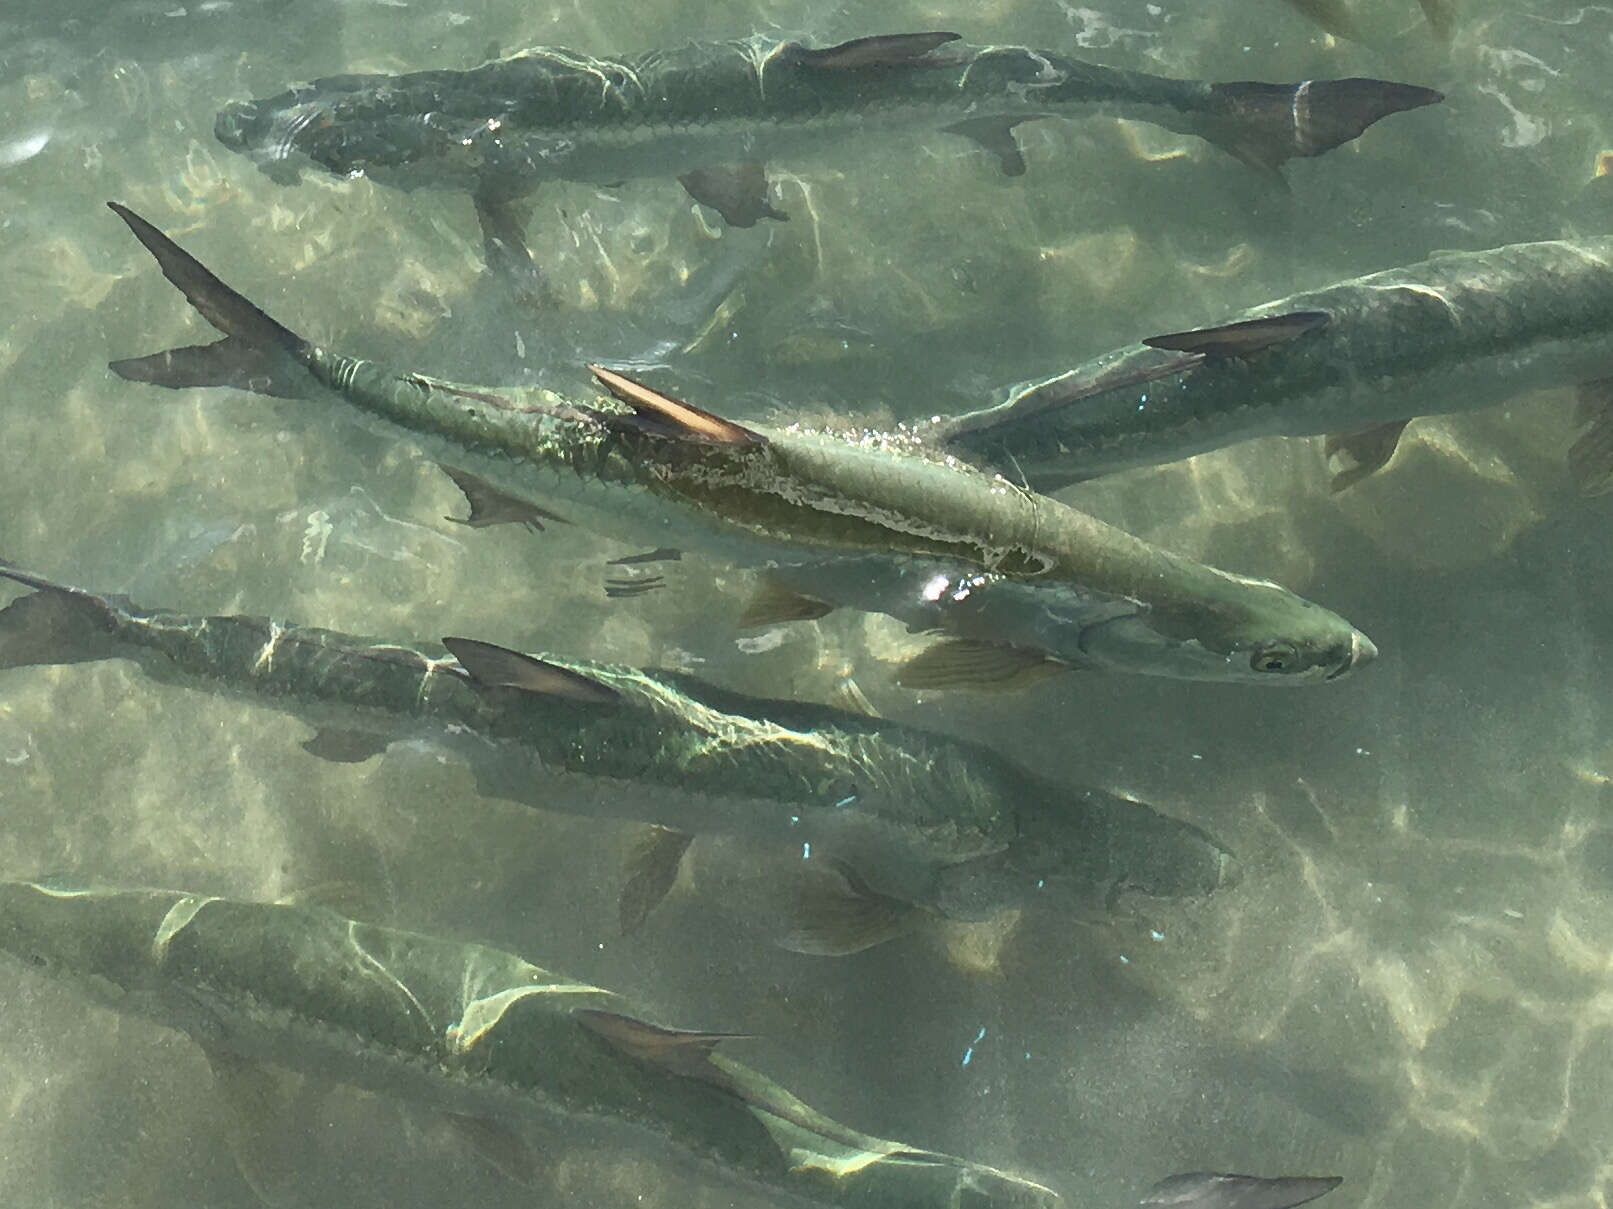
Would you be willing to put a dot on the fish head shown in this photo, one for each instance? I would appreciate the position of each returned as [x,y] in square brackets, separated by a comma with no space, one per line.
[1248,631]
[268,133]
[99,940]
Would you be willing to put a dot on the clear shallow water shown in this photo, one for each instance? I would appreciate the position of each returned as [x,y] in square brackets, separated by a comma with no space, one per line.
[1409,986]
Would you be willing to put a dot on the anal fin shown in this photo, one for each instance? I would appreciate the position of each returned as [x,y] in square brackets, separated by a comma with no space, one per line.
[996,135]
[491,506]
[736,191]
[969,663]
[1590,458]
[1352,456]
[651,867]
[836,914]
[1244,337]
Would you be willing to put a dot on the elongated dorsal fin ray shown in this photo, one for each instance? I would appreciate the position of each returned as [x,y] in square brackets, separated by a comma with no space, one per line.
[666,416]
[491,666]
[1244,337]
[680,1051]
[877,50]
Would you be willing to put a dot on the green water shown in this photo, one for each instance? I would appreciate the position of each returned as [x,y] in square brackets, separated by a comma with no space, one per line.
[1412,984]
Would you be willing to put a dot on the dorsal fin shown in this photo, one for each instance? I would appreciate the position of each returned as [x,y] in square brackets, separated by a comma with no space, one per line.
[666,416]
[681,1051]
[879,50]
[491,666]
[1244,337]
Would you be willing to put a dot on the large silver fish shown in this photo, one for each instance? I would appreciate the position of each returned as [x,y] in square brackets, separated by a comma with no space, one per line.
[1018,581]
[900,823]
[712,113]
[498,1044]
[1357,360]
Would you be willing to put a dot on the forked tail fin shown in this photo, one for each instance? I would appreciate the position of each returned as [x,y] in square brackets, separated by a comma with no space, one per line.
[256,354]
[54,624]
[1266,124]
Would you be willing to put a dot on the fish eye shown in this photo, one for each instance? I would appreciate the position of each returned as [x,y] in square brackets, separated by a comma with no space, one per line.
[1278,658]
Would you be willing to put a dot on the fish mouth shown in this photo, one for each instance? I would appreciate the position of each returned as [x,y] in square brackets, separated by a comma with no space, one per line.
[1362,652]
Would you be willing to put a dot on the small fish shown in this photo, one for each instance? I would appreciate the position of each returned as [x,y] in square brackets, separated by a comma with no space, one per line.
[1356,360]
[494,1043]
[649,469]
[712,114]
[909,824]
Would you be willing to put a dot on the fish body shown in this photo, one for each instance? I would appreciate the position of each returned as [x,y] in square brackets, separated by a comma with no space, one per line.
[467,1030]
[657,472]
[921,821]
[500,130]
[1457,332]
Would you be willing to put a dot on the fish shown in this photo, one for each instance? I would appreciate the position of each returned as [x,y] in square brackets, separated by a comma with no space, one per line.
[1338,18]
[1216,1190]
[713,113]
[1355,361]
[496,1044]
[903,824]
[1022,579]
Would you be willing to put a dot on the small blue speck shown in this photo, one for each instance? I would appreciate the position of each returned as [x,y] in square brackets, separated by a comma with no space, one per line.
[848,800]
[806,851]
[794,819]
[968,1055]
[1124,960]
[1027,1055]
[1156,934]
[1040,883]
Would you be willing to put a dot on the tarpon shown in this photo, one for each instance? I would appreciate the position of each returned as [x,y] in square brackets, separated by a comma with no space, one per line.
[1356,360]
[900,823]
[711,114]
[1017,581]
[496,1043]
[500,1046]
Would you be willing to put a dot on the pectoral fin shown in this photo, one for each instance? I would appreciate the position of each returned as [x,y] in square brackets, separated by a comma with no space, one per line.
[1244,337]
[736,191]
[504,1149]
[1590,459]
[661,554]
[835,914]
[341,746]
[996,135]
[968,663]
[491,666]
[880,50]
[665,416]
[490,506]
[651,867]
[503,222]
[1210,1190]
[775,602]
[1353,456]
[680,1051]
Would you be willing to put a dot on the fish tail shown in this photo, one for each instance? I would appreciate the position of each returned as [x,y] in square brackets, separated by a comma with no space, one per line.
[55,623]
[1267,124]
[256,354]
